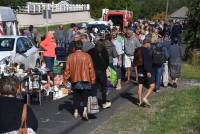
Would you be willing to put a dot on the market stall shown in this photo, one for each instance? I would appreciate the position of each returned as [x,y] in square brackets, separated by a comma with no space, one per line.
[38,84]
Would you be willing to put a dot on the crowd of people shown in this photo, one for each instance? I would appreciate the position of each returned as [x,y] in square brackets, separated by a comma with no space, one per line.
[150,50]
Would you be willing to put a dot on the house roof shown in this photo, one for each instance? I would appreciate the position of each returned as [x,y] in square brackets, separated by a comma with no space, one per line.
[180,13]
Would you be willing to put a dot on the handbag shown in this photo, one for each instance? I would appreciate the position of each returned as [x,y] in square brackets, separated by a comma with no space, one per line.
[93,106]
[23,127]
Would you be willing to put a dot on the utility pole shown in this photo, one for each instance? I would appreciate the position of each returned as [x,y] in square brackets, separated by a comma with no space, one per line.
[47,21]
[167,8]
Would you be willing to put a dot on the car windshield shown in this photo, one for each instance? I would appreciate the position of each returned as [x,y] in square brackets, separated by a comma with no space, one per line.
[7,44]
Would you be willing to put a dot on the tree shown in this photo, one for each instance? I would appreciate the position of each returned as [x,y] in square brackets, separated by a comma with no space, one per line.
[15,4]
[193,29]
[140,8]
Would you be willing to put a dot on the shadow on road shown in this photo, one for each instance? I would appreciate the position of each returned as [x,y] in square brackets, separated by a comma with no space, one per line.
[130,97]
[67,105]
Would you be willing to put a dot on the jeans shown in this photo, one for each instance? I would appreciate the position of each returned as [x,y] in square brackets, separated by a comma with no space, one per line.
[80,96]
[158,75]
[49,61]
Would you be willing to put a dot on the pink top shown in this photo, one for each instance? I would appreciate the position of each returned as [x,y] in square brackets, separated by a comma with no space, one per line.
[49,46]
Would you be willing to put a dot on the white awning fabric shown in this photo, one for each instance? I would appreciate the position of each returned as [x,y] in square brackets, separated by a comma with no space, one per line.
[7,14]
[180,14]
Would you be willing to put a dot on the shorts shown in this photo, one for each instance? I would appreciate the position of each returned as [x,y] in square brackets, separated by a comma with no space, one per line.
[146,80]
[128,60]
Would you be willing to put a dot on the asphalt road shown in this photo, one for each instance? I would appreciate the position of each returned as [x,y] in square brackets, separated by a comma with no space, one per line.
[56,117]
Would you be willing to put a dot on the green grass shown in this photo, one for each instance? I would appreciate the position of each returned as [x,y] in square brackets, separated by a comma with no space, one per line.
[190,72]
[172,113]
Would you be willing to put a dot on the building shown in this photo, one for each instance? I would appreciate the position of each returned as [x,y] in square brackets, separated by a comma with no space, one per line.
[62,6]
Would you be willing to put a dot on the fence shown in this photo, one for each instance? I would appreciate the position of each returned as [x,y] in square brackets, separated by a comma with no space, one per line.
[63,6]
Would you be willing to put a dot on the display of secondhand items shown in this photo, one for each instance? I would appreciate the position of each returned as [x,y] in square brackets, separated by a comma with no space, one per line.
[37,80]
[60,89]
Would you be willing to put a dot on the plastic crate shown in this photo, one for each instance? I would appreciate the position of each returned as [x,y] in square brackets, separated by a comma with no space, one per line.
[58,70]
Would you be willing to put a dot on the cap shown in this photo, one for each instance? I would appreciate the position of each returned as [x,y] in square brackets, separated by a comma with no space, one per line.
[146,40]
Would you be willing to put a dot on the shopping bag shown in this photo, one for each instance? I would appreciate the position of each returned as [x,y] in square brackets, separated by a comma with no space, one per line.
[93,106]
[111,76]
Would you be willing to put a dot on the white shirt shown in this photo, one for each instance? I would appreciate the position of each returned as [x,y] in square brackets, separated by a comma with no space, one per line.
[119,49]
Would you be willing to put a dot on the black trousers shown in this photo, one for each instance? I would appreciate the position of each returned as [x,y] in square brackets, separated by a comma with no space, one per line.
[80,96]
[101,80]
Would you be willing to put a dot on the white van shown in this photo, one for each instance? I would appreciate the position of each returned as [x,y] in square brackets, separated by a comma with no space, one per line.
[18,49]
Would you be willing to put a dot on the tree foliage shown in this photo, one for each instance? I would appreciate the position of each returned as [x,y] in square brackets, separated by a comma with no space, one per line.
[13,3]
[140,8]
[193,29]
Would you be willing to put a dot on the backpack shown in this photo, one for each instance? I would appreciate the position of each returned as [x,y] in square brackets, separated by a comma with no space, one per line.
[158,56]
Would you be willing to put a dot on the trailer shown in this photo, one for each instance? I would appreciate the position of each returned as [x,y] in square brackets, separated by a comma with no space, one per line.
[120,18]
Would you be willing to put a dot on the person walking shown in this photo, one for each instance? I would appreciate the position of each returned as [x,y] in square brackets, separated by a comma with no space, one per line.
[175,56]
[70,33]
[100,60]
[79,69]
[49,46]
[117,62]
[76,38]
[131,43]
[112,52]
[60,36]
[165,76]
[144,72]
[159,57]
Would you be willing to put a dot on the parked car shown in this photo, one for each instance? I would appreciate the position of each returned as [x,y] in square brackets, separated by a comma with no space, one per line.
[102,28]
[18,49]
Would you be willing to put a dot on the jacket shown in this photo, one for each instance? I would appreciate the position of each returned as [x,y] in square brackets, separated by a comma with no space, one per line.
[49,46]
[79,68]
[112,52]
[88,46]
[175,53]
[99,57]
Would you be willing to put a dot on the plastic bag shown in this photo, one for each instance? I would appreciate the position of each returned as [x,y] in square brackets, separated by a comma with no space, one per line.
[111,76]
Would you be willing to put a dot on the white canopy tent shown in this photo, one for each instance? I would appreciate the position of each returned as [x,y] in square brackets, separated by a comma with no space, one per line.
[8,21]
[180,14]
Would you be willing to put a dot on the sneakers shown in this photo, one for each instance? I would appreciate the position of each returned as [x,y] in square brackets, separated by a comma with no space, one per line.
[118,87]
[174,85]
[76,115]
[157,91]
[107,105]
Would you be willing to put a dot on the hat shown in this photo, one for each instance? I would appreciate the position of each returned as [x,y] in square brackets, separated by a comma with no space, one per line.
[146,40]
